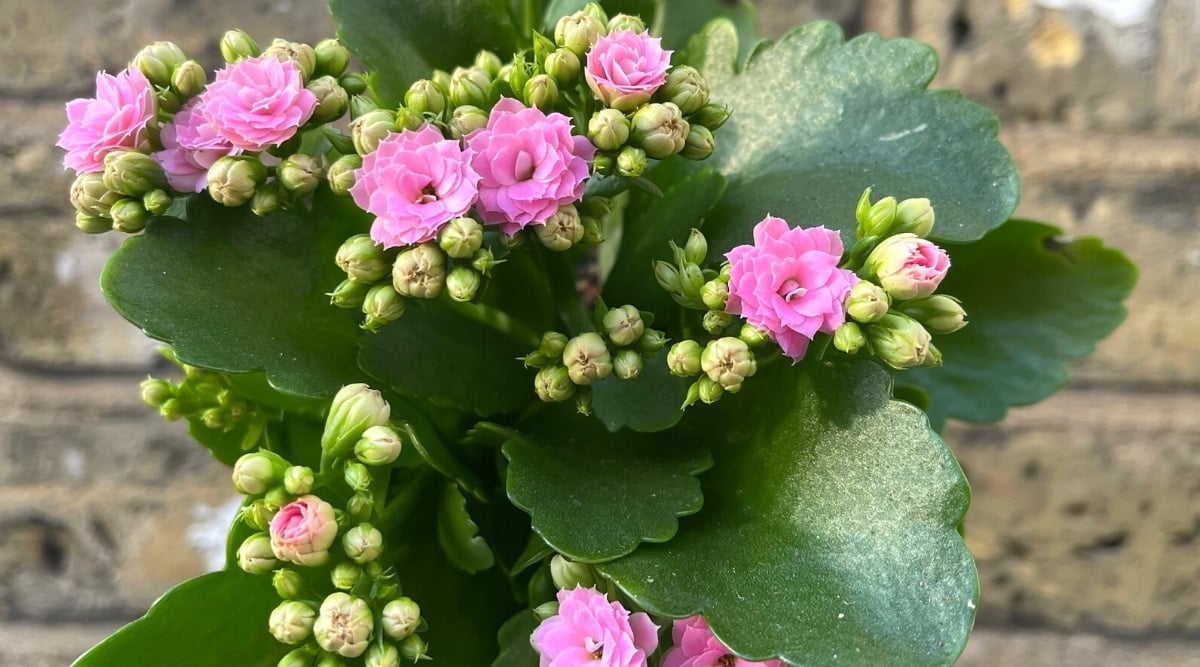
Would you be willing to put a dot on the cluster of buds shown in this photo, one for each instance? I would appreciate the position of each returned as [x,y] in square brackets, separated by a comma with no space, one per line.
[892,312]
[574,224]
[204,397]
[347,626]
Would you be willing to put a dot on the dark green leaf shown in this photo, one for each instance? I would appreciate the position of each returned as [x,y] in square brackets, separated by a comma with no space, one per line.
[594,495]
[536,550]
[419,433]
[236,293]
[405,40]
[216,620]
[651,402]
[816,120]
[685,18]
[828,531]
[225,446]
[1033,301]
[515,647]
[458,534]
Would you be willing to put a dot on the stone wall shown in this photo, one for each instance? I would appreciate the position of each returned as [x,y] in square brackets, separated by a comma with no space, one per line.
[1086,517]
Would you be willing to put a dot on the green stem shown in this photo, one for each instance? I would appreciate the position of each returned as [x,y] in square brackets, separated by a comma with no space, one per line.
[561,273]
[498,320]
[530,22]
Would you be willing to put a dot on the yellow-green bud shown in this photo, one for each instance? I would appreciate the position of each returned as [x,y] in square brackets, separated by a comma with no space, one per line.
[408,119]
[155,392]
[941,314]
[546,610]
[349,294]
[341,173]
[158,61]
[266,200]
[237,44]
[914,216]
[627,364]
[900,341]
[666,275]
[363,543]
[712,116]
[233,179]
[344,625]
[129,216]
[632,162]
[463,283]
[683,359]
[255,555]
[382,655]
[382,305]
[563,66]
[553,384]
[714,294]
[189,78]
[157,202]
[716,321]
[301,657]
[594,10]
[608,129]
[484,261]
[466,119]
[879,218]
[651,341]
[299,173]
[626,22]
[345,575]
[256,472]
[363,260]
[552,344]
[132,173]
[587,358]
[753,336]
[370,128]
[332,57]
[378,446]
[90,196]
[867,302]
[849,338]
[303,55]
[623,325]
[489,62]
[332,99]
[604,163]
[696,247]
[420,272]
[424,96]
[362,104]
[708,390]
[700,143]
[569,574]
[357,476]
[461,237]
[400,617]
[288,584]
[355,408]
[728,361]
[329,660]
[578,32]
[355,83]
[298,480]
[469,85]
[685,88]
[414,648]
[562,230]
[540,91]
[292,622]
[659,129]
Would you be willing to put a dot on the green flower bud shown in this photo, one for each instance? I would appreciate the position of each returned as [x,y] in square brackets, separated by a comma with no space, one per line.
[382,305]
[465,120]
[344,625]
[594,10]
[461,237]
[627,364]
[256,472]
[332,99]
[900,341]
[587,358]
[292,622]
[169,101]
[255,555]
[553,384]
[712,116]
[583,401]
[332,57]
[414,648]
[259,513]
[441,78]
[569,574]
[728,361]
[696,247]
[155,392]
[683,359]
[341,173]
[357,476]
[345,575]
[685,88]
[484,261]
[355,408]
[651,341]
[563,66]
[540,91]
[349,294]
[91,197]
[941,314]
[362,259]
[156,202]
[370,128]
[562,230]
[578,32]
[667,276]
[158,61]
[172,409]
[330,660]
[420,271]
[266,200]
[129,216]
[659,129]
[363,543]
[379,446]
[632,162]
[299,173]
[552,344]
[626,22]
[867,302]
[914,216]
[361,105]
[303,55]
[298,480]
[425,96]
[189,78]
[132,173]
[592,231]
[400,617]
[714,294]
[753,336]
[489,62]
[716,321]
[237,44]
[288,584]
[546,610]
[463,283]
[708,390]
[608,129]
[880,218]
[933,357]
[691,281]
[233,179]
[603,163]
[849,338]
[355,83]
[301,657]
[624,325]
[699,145]
[382,655]
[469,85]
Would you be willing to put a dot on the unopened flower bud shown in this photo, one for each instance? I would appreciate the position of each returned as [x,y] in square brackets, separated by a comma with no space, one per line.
[288,584]
[541,91]
[700,143]
[594,10]
[414,648]
[484,261]
[659,129]
[626,22]
[301,657]
[259,513]
[562,230]
[158,61]
[867,302]
[563,66]
[578,32]
[914,216]
[361,105]
[604,163]
[255,556]
[624,325]
[425,96]
[299,173]
[237,44]
[587,358]
[157,202]
[608,129]
[129,216]
[420,272]
[552,344]
[696,247]
[363,260]
[355,408]
[189,79]
[266,200]
[332,57]
[332,99]
[155,392]
[400,617]
[627,364]
[341,173]
[363,543]
[90,196]
[546,610]
[298,480]
[382,305]
[465,120]
[370,128]
[256,472]
[344,625]
[329,660]
[469,85]
[569,574]
[132,173]
[489,62]
[666,275]
[233,179]
[345,575]
[907,266]
[712,116]
[683,359]
[849,338]
[714,294]
[880,218]
[303,55]
[463,283]
[933,357]
[357,476]
[708,390]
[716,322]
[553,384]
[686,88]
[461,237]
[441,79]
[172,410]
[728,361]
[379,446]
[941,314]
[349,294]
[355,83]
[382,655]
[632,162]
[753,336]
[292,622]
[900,341]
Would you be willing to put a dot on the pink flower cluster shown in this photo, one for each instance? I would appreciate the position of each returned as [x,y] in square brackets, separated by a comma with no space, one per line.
[118,118]
[788,284]
[695,646]
[624,68]
[590,631]
[518,171]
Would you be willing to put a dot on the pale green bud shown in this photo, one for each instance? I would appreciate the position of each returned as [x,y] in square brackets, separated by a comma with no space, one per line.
[288,584]
[541,91]
[608,129]
[255,555]
[569,574]
[266,200]
[355,83]
[484,261]
[425,96]
[696,247]
[562,230]
[578,32]
[441,79]
[685,88]
[357,476]
[716,321]
[712,116]
[157,202]
[237,44]
[379,446]
[301,657]
[400,617]
[158,61]
[463,283]
[129,216]
[563,66]
[355,408]
[345,575]
[349,294]
[382,655]
[132,173]
[632,162]
[259,514]
[603,163]
[461,237]
[332,99]
[360,105]
[341,173]
[344,625]
[849,338]
[420,271]
[469,85]
[728,361]
[370,128]
[363,543]
[363,260]
[683,359]
[700,143]
[189,78]
[667,276]
[651,341]
[169,101]
[466,119]
[867,302]
[552,344]
[299,173]
[332,57]
[594,10]
[256,472]
[914,216]
[292,622]
[627,364]
[708,390]
[879,219]
[626,22]
[382,305]
[298,480]
[330,660]
[753,336]
[553,384]
[623,325]
[303,55]
[659,129]
[587,358]
[155,392]
[691,281]
[233,179]
[414,648]
[546,610]
[489,62]
[941,314]
[933,357]
[900,341]
[90,196]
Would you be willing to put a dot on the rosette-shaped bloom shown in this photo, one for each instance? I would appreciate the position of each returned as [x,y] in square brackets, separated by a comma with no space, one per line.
[529,163]
[190,146]
[116,119]
[695,646]
[787,283]
[414,183]
[256,103]
[624,68]
[589,630]
[908,266]
[303,530]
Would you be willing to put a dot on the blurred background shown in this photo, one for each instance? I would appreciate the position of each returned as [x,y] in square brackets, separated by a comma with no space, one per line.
[1086,514]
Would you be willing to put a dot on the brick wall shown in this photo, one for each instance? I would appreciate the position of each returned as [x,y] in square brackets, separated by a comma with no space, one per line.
[1086,516]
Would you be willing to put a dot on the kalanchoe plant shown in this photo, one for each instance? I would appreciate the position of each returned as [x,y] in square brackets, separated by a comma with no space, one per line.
[580,343]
